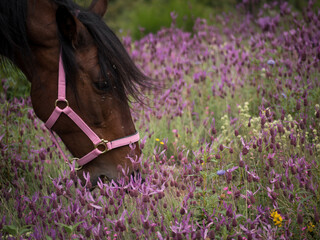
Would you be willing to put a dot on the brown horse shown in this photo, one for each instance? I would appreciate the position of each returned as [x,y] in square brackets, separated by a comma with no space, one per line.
[99,73]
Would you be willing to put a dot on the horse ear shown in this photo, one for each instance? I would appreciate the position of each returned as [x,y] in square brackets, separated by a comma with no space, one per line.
[99,7]
[67,25]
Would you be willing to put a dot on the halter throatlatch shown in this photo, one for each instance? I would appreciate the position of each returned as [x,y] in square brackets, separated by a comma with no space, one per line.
[100,146]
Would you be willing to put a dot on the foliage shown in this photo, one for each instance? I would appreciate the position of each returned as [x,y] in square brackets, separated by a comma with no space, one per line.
[231,145]
[150,16]
[125,16]
[14,83]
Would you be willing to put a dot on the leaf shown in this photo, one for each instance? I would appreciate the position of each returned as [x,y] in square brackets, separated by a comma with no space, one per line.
[305,200]
[67,228]
[10,229]
[1,137]
[25,229]
[77,224]
[203,174]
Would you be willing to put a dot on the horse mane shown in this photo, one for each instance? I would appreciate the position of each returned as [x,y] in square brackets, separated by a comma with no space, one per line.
[13,33]
[113,58]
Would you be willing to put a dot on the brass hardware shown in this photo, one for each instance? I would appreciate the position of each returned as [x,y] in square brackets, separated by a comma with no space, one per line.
[63,100]
[102,143]
[75,159]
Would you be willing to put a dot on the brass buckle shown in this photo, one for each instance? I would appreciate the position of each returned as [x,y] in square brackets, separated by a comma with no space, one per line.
[102,143]
[64,100]
[75,159]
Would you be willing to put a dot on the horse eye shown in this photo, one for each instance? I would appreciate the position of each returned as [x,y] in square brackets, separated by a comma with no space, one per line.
[102,85]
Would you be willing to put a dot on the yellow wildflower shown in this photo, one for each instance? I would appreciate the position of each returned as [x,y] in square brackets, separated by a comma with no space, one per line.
[161,143]
[157,139]
[277,219]
[310,227]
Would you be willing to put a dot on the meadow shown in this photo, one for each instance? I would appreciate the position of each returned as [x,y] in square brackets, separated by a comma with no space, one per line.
[230,141]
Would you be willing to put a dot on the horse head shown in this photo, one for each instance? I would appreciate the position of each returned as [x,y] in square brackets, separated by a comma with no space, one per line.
[99,78]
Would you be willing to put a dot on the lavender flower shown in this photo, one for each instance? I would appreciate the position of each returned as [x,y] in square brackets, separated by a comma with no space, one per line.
[221,172]
[271,62]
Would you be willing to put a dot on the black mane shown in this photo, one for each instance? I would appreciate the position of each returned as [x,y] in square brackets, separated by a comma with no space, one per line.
[13,33]
[113,58]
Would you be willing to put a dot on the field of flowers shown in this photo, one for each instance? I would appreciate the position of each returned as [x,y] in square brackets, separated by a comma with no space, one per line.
[230,140]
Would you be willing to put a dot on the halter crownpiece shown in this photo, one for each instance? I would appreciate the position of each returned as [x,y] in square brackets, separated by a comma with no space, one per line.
[100,145]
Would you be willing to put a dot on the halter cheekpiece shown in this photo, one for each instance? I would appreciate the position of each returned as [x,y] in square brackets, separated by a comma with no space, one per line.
[100,145]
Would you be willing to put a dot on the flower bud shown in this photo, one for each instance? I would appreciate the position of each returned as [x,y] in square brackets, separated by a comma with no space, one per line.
[221,147]
[241,163]
[316,216]
[299,219]
[229,177]
[274,195]
[298,105]
[267,113]
[263,121]
[249,178]
[252,199]
[236,132]
[211,234]
[245,150]
[237,194]
[271,162]
[145,198]
[182,211]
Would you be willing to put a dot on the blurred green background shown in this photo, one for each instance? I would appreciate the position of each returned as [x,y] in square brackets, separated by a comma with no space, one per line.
[129,17]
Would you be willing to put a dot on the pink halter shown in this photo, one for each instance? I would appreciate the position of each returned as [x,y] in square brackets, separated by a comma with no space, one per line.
[97,142]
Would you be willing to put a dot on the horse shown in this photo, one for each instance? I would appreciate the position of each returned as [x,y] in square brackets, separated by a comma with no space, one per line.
[82,79]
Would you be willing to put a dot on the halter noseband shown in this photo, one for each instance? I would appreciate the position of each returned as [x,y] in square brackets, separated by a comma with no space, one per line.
[100,145]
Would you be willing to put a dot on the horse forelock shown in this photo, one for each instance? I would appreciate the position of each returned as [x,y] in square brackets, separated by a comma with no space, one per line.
[13,32]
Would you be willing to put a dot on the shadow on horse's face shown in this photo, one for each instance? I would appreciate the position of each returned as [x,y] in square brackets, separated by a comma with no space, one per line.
[93,89]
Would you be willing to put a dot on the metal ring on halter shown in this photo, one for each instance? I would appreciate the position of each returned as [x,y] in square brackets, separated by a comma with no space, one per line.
[62,100]
[75,159]
[102,143]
